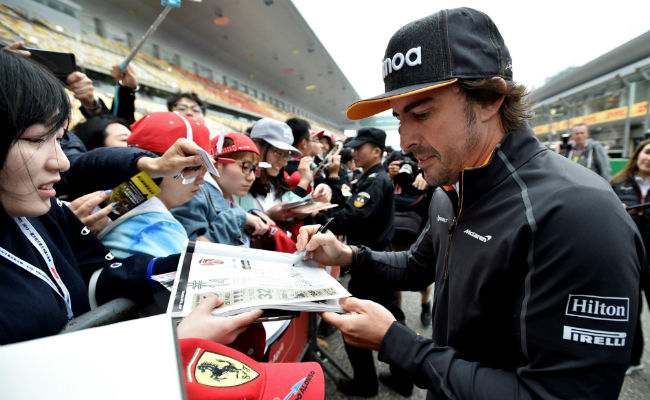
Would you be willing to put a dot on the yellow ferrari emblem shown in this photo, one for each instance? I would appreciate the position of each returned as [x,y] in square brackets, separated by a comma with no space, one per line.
[218,370]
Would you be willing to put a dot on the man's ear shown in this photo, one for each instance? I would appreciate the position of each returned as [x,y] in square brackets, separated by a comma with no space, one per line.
[487,111]
[378,151]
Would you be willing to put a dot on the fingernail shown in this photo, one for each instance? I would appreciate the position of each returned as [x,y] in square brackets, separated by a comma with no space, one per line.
[107,192]
[114,204]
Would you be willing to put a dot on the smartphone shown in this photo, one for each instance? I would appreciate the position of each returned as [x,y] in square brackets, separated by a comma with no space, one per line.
[59,63]
[277,315]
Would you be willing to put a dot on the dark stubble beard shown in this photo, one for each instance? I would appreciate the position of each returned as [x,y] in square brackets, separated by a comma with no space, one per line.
[448,174]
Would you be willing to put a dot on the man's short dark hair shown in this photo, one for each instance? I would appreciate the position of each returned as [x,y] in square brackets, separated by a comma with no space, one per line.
[513,111]
[300,129]
[582,124]
[173,99]
[346,155]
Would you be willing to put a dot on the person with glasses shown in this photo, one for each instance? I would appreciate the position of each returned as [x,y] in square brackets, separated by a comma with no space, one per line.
[213,215]
[271,189]
[188,104]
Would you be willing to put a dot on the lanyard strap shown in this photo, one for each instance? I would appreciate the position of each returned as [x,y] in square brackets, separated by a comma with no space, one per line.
[35,238]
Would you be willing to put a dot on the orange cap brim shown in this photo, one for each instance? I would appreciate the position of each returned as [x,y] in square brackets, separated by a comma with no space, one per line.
[366,108]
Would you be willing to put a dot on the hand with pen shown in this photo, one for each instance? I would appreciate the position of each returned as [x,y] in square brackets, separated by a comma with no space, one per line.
[322,246]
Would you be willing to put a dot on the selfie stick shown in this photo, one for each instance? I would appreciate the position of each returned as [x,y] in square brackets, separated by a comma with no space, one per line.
[168,4]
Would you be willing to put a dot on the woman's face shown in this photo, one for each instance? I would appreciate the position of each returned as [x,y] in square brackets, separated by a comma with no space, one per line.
[643,161]
[174,193]
[33,165]
[277,158]
[234,180]
[116,135]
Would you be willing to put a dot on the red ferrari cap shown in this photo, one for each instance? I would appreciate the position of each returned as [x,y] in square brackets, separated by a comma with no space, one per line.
[214,371]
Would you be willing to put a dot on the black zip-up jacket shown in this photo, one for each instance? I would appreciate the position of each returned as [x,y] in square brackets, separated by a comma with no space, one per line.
[536,266]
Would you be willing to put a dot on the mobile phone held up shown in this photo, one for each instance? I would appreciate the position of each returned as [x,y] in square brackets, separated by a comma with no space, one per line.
[59,63]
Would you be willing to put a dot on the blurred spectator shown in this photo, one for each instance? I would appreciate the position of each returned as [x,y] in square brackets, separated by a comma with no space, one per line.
[589,153]
[274,140]
[632,185]
[298,171]
[327,140]
[188,104]
[411,213]
[103,130]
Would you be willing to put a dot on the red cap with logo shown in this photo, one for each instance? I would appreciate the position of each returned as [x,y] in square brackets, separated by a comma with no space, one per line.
[214,371]
[158,131]
[327,135]
[241,142]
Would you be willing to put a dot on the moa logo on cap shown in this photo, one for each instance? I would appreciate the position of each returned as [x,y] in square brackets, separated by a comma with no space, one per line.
[218,370]
[412,58]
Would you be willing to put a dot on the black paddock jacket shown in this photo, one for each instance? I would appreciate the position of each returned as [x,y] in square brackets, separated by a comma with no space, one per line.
[536,268]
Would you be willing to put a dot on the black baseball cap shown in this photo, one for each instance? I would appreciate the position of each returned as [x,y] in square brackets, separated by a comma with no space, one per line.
[435,51]
[368,135]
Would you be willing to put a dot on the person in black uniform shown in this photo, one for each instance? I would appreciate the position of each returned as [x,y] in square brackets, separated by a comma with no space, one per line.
[367,218]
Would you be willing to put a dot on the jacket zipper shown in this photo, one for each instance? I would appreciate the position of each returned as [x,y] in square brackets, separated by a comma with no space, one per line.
[453,230]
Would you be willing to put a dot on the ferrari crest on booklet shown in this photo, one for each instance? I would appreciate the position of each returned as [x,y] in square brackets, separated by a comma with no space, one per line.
[361,199]
[218,370]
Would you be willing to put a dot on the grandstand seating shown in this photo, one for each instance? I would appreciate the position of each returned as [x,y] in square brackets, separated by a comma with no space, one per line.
[96,53]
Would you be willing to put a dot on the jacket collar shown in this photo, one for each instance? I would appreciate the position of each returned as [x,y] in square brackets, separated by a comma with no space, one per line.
[517,146]
[374,168]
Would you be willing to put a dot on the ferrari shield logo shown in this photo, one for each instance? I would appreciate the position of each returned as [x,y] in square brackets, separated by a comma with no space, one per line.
[361,199]
[218,370]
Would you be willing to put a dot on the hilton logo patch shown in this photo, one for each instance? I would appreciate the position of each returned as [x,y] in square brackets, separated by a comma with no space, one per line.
[596,307]
[218,370]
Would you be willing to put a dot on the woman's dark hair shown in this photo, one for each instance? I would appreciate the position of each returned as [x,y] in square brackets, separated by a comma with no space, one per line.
[630,168]
[29,94]
[173,99]
[300,129]
[262,184]
[93,130]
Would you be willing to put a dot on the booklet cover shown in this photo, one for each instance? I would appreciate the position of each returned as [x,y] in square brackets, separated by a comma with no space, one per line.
[248,279]
[132,193]
[307,206]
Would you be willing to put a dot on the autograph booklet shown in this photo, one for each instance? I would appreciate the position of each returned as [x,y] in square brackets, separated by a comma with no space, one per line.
[248,279]
[307,206]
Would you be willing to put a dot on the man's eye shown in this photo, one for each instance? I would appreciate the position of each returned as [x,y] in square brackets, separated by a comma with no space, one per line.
[421,116]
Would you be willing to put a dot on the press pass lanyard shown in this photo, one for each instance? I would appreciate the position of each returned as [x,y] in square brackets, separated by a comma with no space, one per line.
[36,239]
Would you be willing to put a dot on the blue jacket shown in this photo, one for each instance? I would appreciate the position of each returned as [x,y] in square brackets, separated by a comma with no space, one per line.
[209,214]
[30,309]
[149,229]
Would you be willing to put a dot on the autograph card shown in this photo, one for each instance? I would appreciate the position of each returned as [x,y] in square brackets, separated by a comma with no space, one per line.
[207,161]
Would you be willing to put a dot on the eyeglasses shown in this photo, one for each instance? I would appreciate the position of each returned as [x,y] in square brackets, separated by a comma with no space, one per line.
[182,107]
[246,166]
[284,155]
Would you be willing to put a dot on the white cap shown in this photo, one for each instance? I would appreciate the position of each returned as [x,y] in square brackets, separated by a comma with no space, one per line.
[276,133]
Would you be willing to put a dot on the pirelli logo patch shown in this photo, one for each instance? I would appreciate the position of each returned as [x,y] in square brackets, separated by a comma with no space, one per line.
[590,336]
[597,307]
